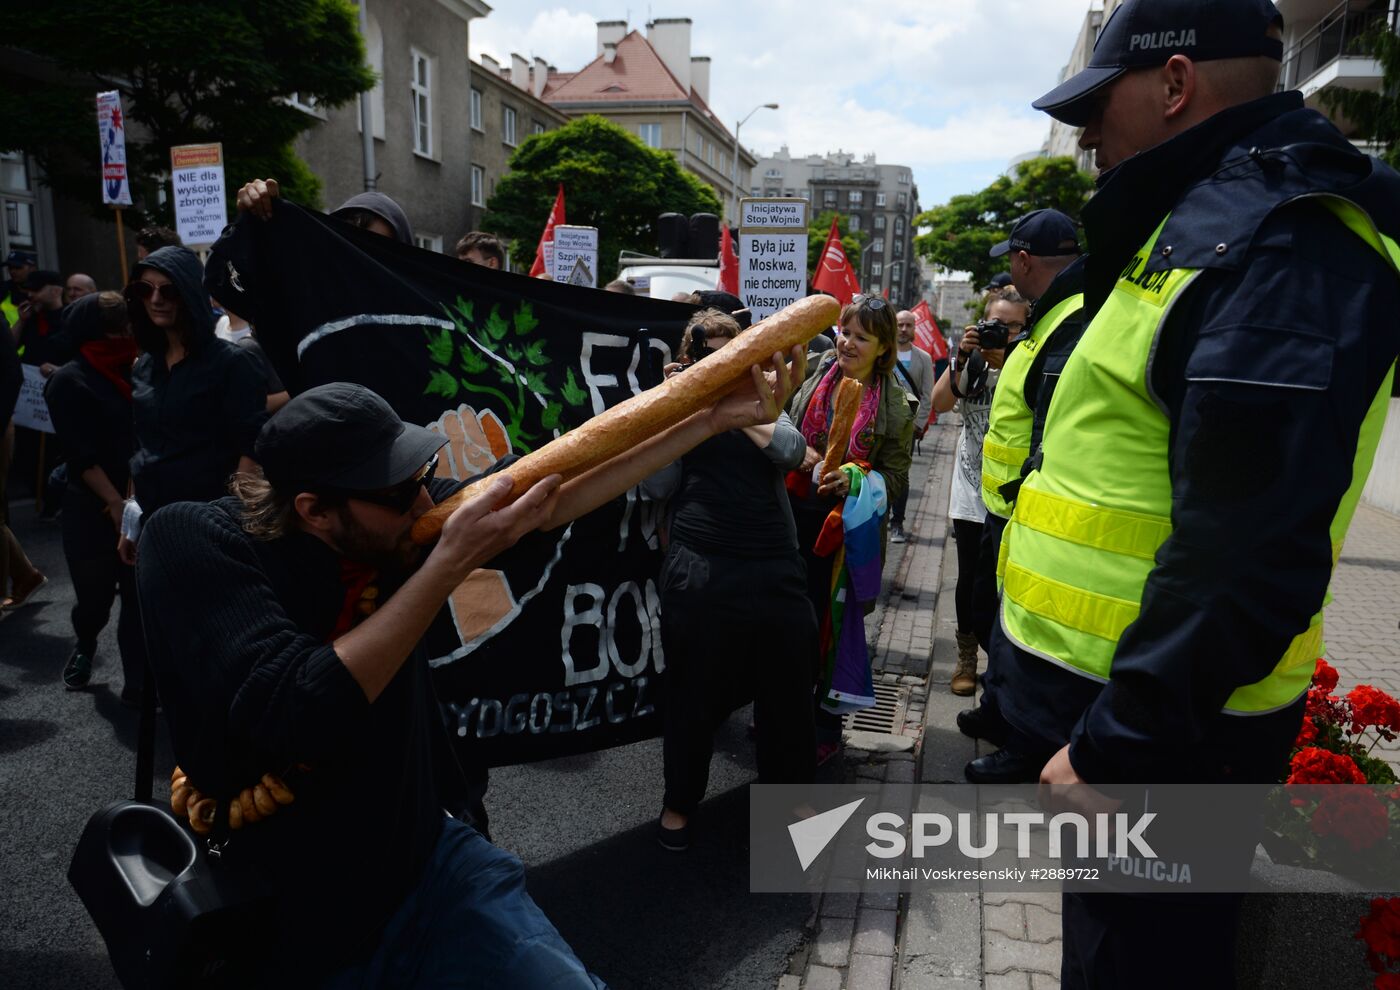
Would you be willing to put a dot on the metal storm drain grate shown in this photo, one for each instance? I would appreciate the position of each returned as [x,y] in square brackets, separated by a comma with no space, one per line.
[887,715]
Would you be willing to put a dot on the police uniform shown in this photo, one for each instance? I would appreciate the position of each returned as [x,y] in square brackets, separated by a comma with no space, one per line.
[1167,564]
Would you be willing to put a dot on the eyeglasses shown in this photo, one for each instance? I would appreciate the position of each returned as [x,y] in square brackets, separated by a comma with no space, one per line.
[874,303]
[400,497]
[141,290]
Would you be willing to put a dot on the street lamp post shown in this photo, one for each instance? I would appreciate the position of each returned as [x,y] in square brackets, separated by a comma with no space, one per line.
[734,165]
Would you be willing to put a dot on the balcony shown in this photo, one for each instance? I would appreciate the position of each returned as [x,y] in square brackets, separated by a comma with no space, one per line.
[1332,51]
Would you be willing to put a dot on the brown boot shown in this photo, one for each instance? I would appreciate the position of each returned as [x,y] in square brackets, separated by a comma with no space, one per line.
[965,676]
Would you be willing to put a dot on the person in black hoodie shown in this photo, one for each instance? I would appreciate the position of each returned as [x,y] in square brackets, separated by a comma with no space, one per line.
[89,399]
[198,401]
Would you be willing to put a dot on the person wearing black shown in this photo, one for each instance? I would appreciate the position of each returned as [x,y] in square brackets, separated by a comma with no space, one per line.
[732,554]
[40,339]
[89,399]
[272,658]
[198,401]
[19,578]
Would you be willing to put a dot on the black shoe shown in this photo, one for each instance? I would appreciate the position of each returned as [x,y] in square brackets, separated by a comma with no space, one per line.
[78,670]
[978,723]
[1004,767]
[673,839]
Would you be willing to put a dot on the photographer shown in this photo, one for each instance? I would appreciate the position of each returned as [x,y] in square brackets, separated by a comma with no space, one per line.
[969,385]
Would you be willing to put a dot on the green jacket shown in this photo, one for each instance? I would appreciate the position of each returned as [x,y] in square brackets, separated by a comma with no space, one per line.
[894,425]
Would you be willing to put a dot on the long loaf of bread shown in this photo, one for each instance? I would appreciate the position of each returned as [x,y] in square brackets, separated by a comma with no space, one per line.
[844,408]
[629,423]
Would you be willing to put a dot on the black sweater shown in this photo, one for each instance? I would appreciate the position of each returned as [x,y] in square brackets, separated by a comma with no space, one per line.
[238,633]
[93,423]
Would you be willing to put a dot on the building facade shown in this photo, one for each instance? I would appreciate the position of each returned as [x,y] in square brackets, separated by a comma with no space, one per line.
[881,200]
[654,87]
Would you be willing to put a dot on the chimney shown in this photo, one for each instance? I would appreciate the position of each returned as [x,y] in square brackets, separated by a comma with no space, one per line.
[609,52]
[539,77]
[519,72]
[670,36]
[700,77]
[492,67]
[610,31]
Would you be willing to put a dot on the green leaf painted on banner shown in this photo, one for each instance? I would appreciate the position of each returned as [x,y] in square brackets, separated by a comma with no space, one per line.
[440,346]
[514,353]
[573,395]
[534,353]
[504,374]
[472,362]
[525,321]
[442,383]
[464,309]
[534,381]
[496,328]
[549,419]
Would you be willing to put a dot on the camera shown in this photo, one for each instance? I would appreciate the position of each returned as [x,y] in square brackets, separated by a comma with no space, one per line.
[992,335]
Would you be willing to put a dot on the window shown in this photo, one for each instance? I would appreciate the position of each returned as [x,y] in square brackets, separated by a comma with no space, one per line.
[428,242]
[651,135]
[422,104]
[878,245]
[537,128]
[879,199]
[880,221]
[374,52]
[899,247]
[773,173]
[789,193]
[508,125]
[754,191]
[18,201]
[710,154]
[876,269]
[806,194]
[476,111]
[855,222]
[904,178]
[854,197]
[899,225]
[478,186]
[902,200]
[829,197]
[724,162]
[895,270]
[771,192]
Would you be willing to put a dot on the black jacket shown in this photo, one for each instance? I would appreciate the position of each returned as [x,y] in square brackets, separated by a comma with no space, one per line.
[1265,369]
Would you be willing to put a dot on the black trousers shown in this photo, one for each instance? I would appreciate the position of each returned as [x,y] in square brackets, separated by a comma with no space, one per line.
[985,600]
[735,631]
[1168,941]
[810,515]
[968,535]
[99,578]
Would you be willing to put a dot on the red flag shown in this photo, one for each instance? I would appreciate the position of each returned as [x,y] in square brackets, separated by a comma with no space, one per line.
[887,292]
[834,272]
[556,216]
[728,262]
[926,333]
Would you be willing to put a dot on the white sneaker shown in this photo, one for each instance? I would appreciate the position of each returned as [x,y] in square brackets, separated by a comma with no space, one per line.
[897,535]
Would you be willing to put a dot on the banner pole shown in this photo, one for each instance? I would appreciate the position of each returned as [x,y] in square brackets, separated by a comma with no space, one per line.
[121,244]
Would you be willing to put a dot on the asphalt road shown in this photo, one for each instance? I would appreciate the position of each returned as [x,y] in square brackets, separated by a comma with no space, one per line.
[638,916]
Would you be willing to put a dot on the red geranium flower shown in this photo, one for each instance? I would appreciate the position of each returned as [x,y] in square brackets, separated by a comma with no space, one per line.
[1306,734]
[1312,765]
[1325,676]
[1373,707]
[1381,931]
[1387,981]
[1353,814]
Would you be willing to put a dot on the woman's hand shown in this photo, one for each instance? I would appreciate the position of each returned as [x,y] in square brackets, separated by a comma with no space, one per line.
[811,459]
[126,551]
[835,483]
[970,341]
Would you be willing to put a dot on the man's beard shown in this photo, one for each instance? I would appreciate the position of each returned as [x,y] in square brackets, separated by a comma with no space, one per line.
[389,555]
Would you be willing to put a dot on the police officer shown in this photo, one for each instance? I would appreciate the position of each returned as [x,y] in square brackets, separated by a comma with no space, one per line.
[1206,445]
[1045,266]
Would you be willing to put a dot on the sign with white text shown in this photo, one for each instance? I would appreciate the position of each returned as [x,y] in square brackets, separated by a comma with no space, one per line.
[573,245]
[772,254]
[111,130]
[201,212]
[31,410]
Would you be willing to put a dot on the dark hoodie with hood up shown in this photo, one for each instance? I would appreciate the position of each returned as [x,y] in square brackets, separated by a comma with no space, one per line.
[385,209]
[195,420]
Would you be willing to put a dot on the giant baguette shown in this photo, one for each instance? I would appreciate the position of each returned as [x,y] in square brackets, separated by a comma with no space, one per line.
[629,423]
[843,417]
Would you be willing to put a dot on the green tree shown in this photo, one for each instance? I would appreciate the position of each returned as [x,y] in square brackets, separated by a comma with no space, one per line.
[611,180]
[851,241]
[194,72]
[963,230]
[1376,113]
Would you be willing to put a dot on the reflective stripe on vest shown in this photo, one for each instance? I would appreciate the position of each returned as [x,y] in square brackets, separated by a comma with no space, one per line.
[1008,440]
[1087,526]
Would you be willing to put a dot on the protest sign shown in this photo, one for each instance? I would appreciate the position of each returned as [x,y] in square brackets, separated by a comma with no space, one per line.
[111,131]
[572,246]
[197,171]
[556,647]
[772,254]
[30,409]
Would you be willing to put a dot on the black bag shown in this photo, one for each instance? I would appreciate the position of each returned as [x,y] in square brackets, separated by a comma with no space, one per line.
[175,909]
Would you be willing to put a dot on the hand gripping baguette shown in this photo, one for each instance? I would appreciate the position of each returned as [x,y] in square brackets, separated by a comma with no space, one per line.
[629,423]
[843,417]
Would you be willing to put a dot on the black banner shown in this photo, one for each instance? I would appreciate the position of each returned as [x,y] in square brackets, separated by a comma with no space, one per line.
[557,648]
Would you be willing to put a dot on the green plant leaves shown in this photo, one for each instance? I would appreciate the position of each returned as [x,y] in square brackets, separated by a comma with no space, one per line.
[442,383]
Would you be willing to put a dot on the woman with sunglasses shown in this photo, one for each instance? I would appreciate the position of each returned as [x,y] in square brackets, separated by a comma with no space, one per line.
[882,438]
[198,401]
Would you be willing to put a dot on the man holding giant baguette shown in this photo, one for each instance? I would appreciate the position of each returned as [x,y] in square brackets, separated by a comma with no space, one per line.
[284,627]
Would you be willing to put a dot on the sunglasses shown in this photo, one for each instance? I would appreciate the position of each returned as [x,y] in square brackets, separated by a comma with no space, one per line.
[400,497]
[141,290]
[873,303]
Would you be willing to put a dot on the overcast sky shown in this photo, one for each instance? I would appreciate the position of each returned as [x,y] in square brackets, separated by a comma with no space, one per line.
[944,86]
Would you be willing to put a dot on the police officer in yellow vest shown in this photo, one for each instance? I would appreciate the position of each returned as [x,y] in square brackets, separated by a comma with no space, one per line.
[1046,266]
[19,264]
[1206,446]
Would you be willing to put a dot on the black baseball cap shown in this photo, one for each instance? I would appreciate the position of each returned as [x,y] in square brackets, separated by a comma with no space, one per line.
[1045,233]
[1144,33]
[18,259]
[38,279]
[341,436]
[999,281]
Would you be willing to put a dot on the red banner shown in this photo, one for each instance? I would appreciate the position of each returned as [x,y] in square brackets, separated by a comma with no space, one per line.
[556,216]
[834,273]
[728,262]
[926,333]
